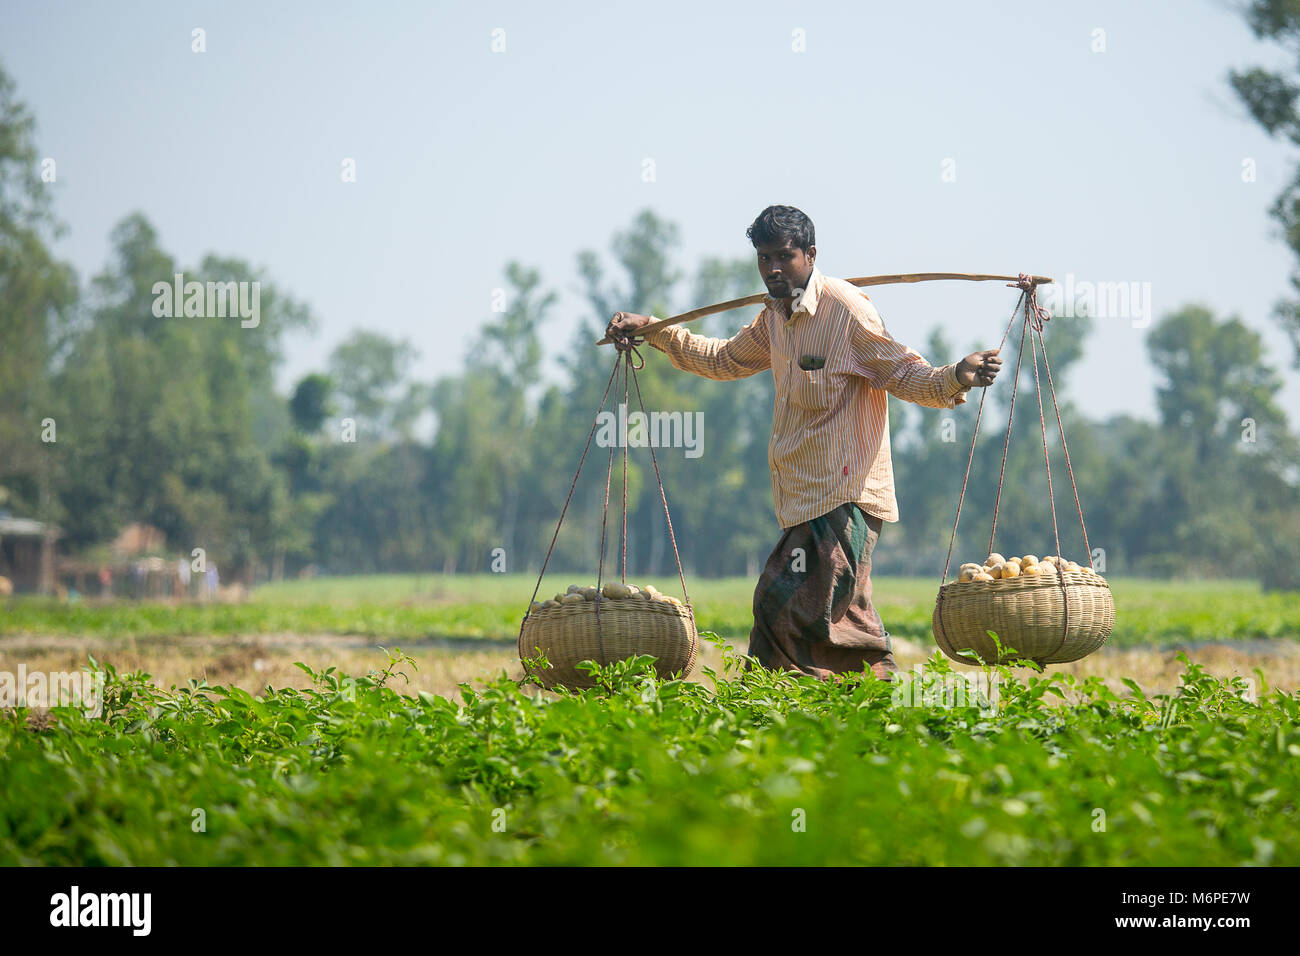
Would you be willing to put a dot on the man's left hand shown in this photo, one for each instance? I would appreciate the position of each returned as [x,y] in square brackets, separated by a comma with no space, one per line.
[979,369]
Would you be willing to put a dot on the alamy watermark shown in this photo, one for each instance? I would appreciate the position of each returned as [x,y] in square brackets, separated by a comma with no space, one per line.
[655,430]
[947,689]
[53,689]
[1103,300]
[131,911]
[208,300]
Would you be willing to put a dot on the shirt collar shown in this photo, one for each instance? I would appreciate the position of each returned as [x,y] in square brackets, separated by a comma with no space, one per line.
[806,301]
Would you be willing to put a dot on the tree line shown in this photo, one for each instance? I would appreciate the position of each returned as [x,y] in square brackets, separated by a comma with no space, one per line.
[110,414]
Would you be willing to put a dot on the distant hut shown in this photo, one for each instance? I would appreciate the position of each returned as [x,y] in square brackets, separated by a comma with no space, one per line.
[27,553]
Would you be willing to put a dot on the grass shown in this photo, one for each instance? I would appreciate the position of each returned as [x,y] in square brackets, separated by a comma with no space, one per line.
[405,607]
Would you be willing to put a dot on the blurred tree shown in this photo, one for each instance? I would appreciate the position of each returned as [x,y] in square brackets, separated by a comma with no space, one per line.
[39,296]
[1225,446]
[167,420]
[484,454]
[369,372]
[1271,98]
[310,405]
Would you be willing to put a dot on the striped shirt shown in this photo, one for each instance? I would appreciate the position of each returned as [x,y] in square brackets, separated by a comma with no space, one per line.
[833,363]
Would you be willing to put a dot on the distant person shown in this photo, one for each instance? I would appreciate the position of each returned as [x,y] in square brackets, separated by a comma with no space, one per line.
[834,366]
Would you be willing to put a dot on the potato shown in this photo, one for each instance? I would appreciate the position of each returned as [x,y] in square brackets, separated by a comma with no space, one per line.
[983,576]
[588,594]
[966,574]
[1028,560]
[572,599]
[614,590]
[551,603]
[995,570]
[1033,570]
[1010,570]
[993,559]
[535,607]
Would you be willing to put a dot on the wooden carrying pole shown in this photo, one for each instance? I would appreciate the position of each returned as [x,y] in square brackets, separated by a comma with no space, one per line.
[859,282]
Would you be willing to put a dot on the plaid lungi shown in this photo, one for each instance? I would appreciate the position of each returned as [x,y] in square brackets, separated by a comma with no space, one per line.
[812,606]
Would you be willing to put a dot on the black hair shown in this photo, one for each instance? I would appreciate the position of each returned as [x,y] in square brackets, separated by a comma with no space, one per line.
[778,223]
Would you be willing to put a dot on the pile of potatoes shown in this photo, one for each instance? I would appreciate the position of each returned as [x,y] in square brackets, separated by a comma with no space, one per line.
[998,568]
[612,590]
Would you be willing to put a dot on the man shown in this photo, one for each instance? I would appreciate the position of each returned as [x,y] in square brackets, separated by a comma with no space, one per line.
[832,476]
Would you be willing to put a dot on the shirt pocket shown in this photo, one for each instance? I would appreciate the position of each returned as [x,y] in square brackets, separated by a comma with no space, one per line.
[813,391]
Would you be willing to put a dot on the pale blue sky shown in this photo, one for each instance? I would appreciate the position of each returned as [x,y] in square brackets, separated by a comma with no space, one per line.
[1115,166]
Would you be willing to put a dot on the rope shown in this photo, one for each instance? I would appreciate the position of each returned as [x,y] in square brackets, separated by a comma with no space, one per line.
[623,578]
[1060,571]
[564,510]
[667,517]
[1066,448]
[604,521]
[630,360]
[1042,421]
[1035,316]
[966,477]
[1006,445]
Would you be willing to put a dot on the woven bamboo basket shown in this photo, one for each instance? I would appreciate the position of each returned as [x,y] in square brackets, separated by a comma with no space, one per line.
[1028,614]
[567,635]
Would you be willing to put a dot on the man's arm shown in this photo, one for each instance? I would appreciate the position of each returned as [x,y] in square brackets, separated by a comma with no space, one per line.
[744,354]
[903,372]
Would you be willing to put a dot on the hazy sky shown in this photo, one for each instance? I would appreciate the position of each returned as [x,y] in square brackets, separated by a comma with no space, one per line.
[1115,166]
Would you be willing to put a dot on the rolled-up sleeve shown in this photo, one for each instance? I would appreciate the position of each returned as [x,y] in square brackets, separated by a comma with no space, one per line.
[903,372]
[745,353]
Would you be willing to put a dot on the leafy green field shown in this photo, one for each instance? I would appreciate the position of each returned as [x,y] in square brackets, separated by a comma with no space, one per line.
[745,769]
[740,768]
[412,606]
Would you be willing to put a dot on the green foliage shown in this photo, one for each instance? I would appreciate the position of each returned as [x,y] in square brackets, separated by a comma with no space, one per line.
[752,768]
[177,422]
[490,606]
[368,372]
[309,405]
[1271,97]
[37,301]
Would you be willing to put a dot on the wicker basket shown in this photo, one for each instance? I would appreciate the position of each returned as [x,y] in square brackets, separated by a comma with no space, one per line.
[628,626]
[1028,614]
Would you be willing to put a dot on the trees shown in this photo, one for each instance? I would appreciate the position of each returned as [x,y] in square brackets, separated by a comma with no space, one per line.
[39,295]
[1271,98]
[369,375]
[170,420]
[177,421]
[1225,448]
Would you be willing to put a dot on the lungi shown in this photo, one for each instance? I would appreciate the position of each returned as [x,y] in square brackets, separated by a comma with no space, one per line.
[812,607]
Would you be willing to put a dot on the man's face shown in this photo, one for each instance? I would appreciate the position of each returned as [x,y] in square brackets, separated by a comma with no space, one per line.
[784,267]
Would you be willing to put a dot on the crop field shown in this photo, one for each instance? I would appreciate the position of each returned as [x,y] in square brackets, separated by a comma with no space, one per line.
[277,731]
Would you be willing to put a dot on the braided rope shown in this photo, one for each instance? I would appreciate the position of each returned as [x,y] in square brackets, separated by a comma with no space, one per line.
[629,359]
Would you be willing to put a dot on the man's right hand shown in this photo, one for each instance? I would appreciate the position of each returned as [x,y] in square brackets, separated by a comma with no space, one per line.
[627,323]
